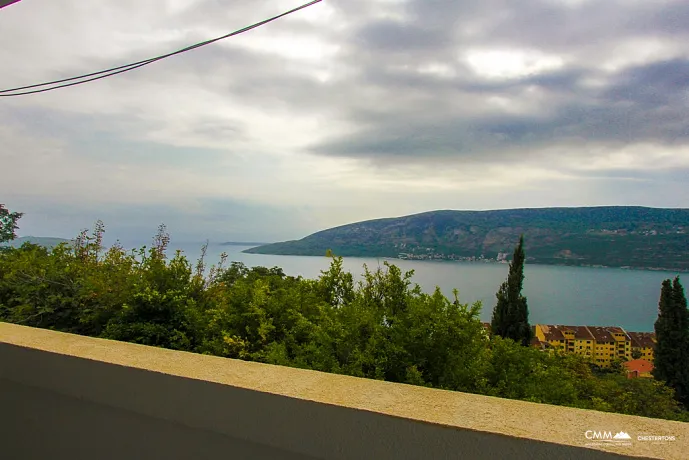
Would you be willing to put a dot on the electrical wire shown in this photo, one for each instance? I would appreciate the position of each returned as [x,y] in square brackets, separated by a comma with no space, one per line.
[135,65]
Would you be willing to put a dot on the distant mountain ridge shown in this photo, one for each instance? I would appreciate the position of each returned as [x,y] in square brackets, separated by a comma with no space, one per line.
[613,236]
[46,241]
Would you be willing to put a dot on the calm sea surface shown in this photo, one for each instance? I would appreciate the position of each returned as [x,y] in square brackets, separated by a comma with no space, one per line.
[556,295]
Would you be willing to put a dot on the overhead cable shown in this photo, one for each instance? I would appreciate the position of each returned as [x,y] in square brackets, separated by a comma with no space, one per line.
[135,65]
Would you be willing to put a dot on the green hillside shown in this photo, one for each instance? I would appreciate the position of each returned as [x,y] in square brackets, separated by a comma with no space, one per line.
[614,236]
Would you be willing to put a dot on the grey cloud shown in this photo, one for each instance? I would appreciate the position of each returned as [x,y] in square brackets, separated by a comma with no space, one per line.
[653,85]
[425,117]
[388,35]
[650,177]
[118,139]
[668,19]
[502,138]
[546,24]
[562,81]
[253,79]
[645,103]
[422,114]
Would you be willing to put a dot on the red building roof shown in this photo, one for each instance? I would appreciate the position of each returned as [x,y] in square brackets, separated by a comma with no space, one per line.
[639,366]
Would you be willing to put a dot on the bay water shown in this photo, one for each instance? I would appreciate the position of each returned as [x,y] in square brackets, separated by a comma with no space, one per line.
[555,294]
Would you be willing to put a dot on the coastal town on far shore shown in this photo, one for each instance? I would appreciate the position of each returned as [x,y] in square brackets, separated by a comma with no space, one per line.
[430,255]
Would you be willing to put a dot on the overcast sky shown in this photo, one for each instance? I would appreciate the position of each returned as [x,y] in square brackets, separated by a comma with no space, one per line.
[346,111]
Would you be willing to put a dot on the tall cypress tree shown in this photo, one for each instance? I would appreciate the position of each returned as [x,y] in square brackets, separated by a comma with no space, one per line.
[662,356]
[671,357]
[511,313]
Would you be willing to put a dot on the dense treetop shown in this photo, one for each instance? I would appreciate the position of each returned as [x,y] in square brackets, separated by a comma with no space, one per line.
[8,224]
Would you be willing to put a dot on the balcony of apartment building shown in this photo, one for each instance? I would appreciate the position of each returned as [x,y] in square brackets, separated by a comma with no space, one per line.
[570,346]
[622,351]
[74,397]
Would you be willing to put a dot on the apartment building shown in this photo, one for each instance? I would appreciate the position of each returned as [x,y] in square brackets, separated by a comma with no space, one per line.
[643,344]
[606,349]
[601,344]
[569,339]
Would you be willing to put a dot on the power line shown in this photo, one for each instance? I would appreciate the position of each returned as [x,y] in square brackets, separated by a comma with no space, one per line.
[135,65]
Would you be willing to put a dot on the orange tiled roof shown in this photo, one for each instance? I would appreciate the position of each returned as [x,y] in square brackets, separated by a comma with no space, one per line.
[639,365]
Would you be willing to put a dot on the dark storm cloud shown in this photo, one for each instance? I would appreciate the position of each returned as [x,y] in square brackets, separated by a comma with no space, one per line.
[423,116]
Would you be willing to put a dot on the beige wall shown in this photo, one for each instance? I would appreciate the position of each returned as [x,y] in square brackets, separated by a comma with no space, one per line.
[65,396]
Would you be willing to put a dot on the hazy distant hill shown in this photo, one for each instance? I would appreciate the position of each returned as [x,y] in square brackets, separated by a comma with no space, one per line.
[241,243]
[615,236]
[48,242]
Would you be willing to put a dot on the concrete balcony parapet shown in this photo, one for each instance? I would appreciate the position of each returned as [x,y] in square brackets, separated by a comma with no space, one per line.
[68,396]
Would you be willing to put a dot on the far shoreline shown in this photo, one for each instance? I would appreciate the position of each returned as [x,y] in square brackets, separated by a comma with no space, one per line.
[486,261]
